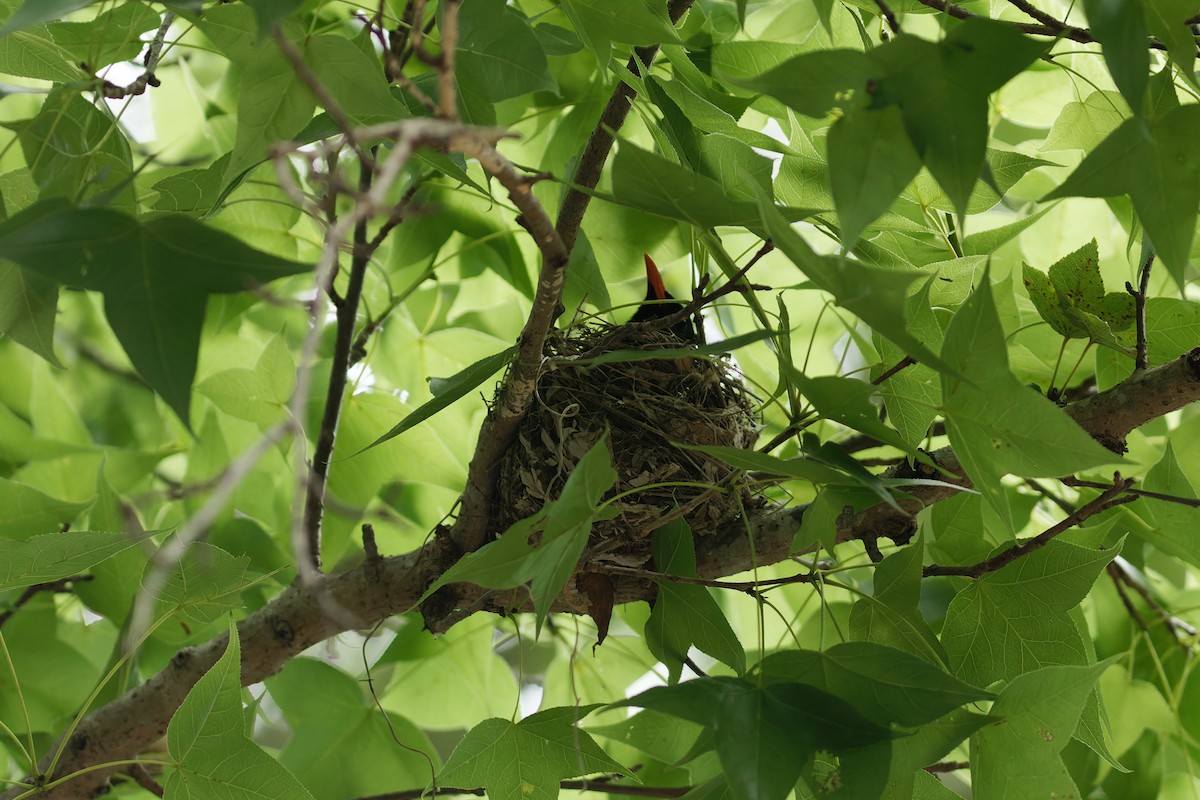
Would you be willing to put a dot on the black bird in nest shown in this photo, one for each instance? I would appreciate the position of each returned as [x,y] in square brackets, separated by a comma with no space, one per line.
[660,303]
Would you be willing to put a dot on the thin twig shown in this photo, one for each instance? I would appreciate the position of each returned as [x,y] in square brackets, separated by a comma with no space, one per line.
[325,97]
[1141,359]
[700,299]
[749,587]
[890,16]
[447,84]
[1107,499]
[172,551]
[1058,30]
[593,785]
[111,91]
[347,316]
[1118,579]
[60,585]
[903,363]
[1124,574]
[1191,502]
[1066,507]
[1046,19]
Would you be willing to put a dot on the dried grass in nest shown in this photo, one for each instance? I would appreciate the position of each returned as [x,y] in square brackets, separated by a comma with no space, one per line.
[645,405]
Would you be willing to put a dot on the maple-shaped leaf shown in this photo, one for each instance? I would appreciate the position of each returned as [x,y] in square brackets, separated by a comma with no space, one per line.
[155,276]
[1073,301]
[525,760]
[1156,163]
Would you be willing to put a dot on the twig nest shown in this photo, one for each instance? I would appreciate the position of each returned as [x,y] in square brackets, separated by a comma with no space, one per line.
[649,407]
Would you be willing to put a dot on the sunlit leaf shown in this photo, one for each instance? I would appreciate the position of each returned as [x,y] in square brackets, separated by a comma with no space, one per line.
[213,755]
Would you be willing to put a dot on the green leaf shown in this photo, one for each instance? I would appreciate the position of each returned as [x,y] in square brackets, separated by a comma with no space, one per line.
[543,550]
[987,242]
[28,512]
[1083,124]
[257,395]
[112,36]
[599,23]
[498,54]
[204,585]
[876,296]
[892,616]
[1120,27]
[355,78]
[685,615]
[803,468]
[27,306]
[1154,162]
[55,556]
[341,744]
[75,150]
[35,12]
[155,277]
[913,394]
[648,182]
[526,760]
[886,685]
[1171,527]
[764,734]
[996,424]
[1166,19]
[1020,757]
[34,54]
[812,83]
[871,160]
[449,390]
[717,349]
[273,105]
[848,401]
[213,756]
[1015,620]
[270,12]
[1072,299]
[942,90]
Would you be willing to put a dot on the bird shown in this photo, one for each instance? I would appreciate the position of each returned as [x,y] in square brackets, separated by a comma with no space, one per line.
[660,303]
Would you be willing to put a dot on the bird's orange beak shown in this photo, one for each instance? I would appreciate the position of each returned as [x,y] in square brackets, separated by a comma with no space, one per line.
[654,279]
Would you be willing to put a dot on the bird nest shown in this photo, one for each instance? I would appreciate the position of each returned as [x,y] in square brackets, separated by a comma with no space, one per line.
[649,408]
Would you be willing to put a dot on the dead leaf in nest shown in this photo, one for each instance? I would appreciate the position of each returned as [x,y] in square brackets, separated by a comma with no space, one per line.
[600,593]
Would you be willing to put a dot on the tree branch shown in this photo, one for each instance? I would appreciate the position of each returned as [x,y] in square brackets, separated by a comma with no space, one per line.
[347,316]
[60,585]
[112,91]
[1107,499]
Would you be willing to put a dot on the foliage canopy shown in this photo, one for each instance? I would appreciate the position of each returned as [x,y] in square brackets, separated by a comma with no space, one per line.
[260,262]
